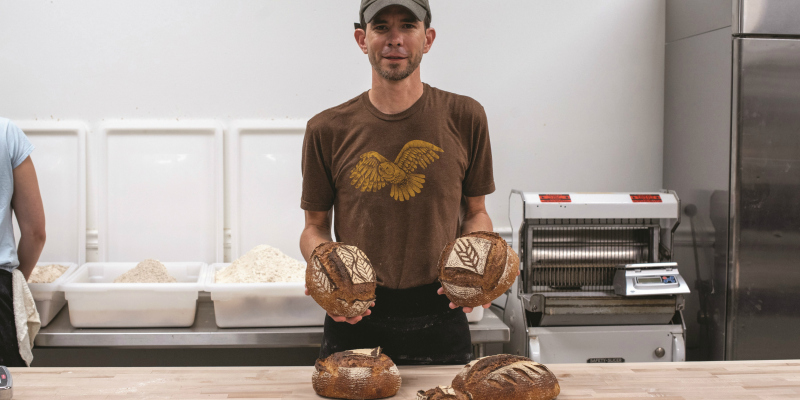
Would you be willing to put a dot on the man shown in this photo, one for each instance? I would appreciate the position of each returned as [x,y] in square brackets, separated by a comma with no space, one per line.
[406,167]
[19,190]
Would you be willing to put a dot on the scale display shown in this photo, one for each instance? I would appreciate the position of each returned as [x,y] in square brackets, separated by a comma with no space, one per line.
[656,280]
[651,283]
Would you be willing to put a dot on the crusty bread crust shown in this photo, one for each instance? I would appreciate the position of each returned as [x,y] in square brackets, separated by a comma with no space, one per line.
[486,282]
[356,374]
[341,279]
[507,376]
[442,393]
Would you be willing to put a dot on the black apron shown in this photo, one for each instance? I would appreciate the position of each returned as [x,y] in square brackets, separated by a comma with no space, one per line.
[413,326]
[9,347]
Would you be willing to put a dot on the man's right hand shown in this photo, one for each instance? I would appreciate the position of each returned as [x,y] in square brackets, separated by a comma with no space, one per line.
[317,231]
[350,320]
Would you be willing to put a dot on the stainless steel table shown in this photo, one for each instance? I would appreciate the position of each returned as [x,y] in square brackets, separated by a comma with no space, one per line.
[205,333]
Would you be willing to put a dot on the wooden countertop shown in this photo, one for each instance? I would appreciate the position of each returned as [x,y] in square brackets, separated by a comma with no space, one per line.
[669,381]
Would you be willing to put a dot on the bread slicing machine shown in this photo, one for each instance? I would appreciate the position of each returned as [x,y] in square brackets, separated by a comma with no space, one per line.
[597,282]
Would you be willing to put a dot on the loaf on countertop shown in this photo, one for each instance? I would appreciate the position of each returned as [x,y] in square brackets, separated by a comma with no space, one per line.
[507,377]
[356,374]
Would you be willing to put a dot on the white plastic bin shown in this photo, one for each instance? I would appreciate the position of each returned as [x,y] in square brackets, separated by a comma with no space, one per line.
[247,305]
[476,314]
[49,297]
[95,301]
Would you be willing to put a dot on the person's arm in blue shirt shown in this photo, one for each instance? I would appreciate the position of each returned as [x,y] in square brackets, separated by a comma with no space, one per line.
[27,205]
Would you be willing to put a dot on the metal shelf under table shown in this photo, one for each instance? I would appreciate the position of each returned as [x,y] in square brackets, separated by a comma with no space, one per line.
[205,333]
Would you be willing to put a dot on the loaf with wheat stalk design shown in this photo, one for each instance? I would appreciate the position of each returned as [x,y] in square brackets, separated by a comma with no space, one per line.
[477,268]
[506,376]
[341,279]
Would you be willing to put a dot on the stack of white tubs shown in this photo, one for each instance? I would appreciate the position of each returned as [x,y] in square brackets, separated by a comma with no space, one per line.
[249,305]
[95,301]
[49,297]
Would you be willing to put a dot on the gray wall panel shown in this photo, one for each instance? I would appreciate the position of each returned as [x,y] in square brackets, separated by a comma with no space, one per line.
[687,18]
[696,161]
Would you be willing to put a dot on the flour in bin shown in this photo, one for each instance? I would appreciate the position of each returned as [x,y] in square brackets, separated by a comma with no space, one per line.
[147,271]
[47,273]
[263,264]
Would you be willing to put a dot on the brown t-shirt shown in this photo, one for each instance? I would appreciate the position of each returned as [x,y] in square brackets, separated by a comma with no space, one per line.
[396,181]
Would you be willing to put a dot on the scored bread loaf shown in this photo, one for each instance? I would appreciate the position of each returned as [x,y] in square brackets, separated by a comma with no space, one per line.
[341,279]
[442,393]
[356,374]
[507,377]
[477,268]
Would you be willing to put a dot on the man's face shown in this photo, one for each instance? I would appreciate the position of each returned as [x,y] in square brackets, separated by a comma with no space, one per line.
[395,42]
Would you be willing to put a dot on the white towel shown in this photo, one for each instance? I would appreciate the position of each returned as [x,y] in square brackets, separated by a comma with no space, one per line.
[25,316]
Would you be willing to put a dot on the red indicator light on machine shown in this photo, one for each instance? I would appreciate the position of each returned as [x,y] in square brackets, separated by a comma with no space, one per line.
[2,377]
[555,198]
[646,198]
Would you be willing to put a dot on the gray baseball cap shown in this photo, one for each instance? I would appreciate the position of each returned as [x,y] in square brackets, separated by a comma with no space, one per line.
[369,8]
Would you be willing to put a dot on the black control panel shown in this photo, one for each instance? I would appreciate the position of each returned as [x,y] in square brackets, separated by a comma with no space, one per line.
[5,377]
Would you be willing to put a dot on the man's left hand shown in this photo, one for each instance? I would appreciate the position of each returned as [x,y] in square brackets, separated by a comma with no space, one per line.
[465,309]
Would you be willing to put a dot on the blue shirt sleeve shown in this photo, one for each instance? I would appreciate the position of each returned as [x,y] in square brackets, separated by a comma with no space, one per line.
[18,145]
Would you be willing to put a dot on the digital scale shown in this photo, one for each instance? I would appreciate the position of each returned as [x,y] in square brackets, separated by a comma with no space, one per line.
[648,279]
[6,388]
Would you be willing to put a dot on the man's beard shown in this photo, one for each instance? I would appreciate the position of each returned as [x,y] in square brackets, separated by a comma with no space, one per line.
[394,73]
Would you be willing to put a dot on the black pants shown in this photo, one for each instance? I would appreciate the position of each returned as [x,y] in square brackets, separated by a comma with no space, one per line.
[9,348]
[413,326]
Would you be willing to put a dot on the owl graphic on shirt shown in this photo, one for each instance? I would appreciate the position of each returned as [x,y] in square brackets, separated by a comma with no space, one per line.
[374,171]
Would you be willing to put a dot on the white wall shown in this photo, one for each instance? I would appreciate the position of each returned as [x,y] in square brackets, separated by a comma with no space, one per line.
[573,88]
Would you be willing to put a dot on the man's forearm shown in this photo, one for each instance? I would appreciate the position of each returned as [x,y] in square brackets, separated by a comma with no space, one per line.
[478,221]
[28,252]
[312,237]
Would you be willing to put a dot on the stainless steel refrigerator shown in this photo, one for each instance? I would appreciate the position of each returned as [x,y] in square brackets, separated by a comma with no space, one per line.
[740,178]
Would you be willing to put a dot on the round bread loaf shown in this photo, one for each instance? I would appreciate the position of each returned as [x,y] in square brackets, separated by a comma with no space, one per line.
[442,393]
[341,279]
[506,376]
[356,374]
[477,268]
